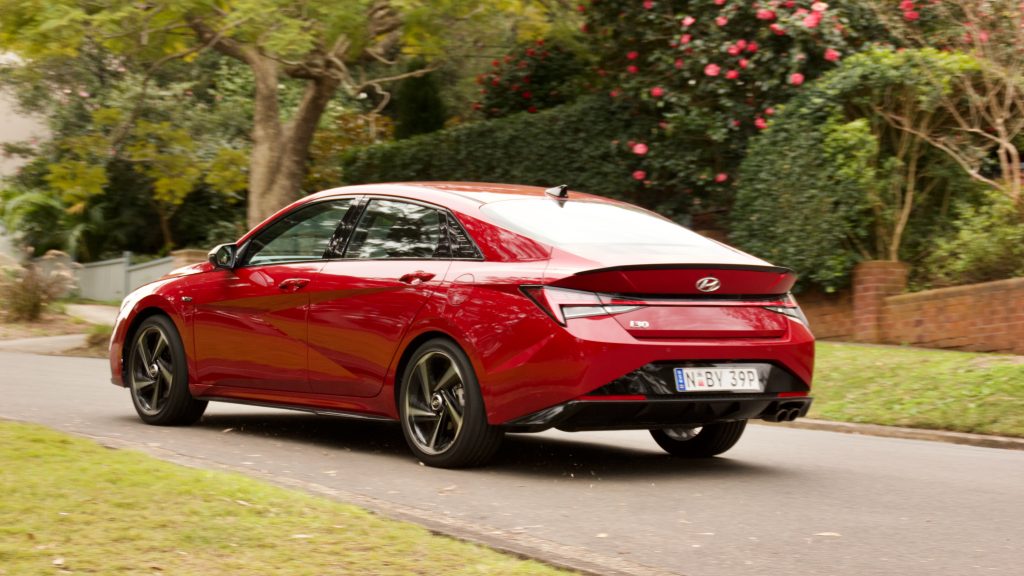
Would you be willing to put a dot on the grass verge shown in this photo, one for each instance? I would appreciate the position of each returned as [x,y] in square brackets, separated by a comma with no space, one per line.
[919,388]
[70,505]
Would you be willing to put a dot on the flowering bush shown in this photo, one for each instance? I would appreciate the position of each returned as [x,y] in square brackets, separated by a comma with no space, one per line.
[708,74]
[533,77]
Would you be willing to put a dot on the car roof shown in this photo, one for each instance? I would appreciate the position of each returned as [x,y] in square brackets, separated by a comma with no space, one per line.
[475,192]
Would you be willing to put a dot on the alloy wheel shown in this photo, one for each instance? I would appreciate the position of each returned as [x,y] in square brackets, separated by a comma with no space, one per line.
[151,370]
[434,403]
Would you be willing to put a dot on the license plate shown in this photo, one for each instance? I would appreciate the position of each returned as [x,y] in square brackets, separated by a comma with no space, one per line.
[718,379]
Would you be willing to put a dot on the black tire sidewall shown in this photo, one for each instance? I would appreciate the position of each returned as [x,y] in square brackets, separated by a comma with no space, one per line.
[477,441]
[712,440]
[181,407]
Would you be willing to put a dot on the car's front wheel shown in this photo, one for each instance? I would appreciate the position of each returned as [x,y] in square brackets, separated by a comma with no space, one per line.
[701,442]
[157,374]
[442,409]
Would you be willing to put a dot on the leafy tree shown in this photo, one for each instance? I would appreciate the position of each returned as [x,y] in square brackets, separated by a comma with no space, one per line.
[350,46]
[987,106]
[706,76]
[831,181]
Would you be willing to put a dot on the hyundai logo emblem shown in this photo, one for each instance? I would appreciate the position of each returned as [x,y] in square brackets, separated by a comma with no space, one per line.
[708,284]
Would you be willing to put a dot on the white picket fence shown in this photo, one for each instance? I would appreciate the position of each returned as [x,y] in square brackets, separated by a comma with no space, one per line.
[112,279]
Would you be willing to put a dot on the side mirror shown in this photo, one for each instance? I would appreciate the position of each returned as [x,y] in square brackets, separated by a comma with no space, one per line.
[223,256]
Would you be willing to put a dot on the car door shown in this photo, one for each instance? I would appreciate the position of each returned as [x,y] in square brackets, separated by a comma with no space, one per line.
[363,303]
[250,322]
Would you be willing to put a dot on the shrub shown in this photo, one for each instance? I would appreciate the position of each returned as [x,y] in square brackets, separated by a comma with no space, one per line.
[26,290]
[988,244]
[573,144]
[532,77]
[831,182]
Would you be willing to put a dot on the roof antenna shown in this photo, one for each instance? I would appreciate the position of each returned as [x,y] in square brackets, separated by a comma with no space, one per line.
[560,191]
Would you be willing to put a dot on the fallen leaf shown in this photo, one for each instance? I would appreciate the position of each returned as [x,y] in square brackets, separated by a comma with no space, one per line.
[243,502]
[58,561]
[828,534]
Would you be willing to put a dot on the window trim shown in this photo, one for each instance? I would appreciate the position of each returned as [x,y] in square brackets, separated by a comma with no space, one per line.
[243,250]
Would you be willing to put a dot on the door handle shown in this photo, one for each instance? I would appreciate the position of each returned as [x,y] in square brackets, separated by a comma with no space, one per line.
[293,284]
[416,277]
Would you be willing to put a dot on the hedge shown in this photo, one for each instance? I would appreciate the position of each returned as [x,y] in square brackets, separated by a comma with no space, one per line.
[574,144]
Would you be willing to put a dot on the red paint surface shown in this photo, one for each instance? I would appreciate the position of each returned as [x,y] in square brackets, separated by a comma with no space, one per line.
[335,343]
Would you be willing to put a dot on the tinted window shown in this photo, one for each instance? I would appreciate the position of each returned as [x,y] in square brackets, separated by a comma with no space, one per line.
[588,222]
[390,229]
[299,236]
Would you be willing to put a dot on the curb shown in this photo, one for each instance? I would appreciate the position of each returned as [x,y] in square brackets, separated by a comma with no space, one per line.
[980,440]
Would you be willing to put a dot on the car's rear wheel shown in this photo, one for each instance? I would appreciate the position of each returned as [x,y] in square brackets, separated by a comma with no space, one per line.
[442,410]
[157,375]
[701,442]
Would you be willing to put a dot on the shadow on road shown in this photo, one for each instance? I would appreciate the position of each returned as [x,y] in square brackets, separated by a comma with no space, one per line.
[524,454]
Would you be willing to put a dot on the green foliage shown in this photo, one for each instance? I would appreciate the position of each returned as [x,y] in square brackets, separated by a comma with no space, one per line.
[532,77]
[572,144]
[706,76]
[26,290]
[987,244]
[418,105]
[827,184]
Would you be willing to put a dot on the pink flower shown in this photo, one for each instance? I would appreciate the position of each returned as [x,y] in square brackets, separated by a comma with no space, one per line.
[765,14]
[532,109]
[752,47]
[812,20]
[819,6]
[639,175]
[719,2]
[685,39]
[779,30]
[735,123]
[581,8]
[911,15]
[744,63]
[983,36]
[721,177]
[678,64]
[632,69]
[648,4]
[769,111]
[832,55]
[614,93]
[640,149]
[734,50]
[721,20]
[712,69]
[632,55]
[760,123]
[688,21]
[657,92]
[732,74]
[796,78]
[741,44]
[527,95]
[907,5]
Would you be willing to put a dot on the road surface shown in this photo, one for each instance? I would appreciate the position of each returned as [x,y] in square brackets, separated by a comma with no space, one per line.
[784,501]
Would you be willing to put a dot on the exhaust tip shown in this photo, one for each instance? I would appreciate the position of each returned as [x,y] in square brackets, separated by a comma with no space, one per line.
[793,414]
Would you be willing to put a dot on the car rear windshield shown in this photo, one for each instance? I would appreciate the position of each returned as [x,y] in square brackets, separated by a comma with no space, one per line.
[587,222]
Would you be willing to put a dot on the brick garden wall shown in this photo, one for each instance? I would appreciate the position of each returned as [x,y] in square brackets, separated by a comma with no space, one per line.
[985,317]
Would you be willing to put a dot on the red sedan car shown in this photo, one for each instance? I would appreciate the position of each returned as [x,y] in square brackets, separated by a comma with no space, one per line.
[467,310]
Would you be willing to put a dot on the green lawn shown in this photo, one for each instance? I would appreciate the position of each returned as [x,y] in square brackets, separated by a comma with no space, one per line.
[920,388]
[70,505]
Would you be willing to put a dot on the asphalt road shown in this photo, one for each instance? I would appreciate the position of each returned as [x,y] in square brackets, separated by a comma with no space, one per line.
[784,501]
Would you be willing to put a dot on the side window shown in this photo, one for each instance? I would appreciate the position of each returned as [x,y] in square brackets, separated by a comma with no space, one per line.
[299,236]
[461,244]
[390,229]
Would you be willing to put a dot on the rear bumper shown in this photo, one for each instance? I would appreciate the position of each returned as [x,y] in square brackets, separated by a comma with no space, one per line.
[653,412]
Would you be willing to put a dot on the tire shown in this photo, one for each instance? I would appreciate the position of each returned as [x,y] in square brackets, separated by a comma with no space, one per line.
[156,371]
[708,441]
[442,409]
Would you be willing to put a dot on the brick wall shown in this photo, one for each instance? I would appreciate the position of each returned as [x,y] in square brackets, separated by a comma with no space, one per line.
[986,317]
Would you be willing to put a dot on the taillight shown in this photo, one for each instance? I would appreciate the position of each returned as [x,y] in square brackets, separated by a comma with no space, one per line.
[790,308]
[563,304]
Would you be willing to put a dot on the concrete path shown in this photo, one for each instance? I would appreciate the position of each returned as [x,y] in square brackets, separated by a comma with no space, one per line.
[784,501]
[93,313]
[44,344]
